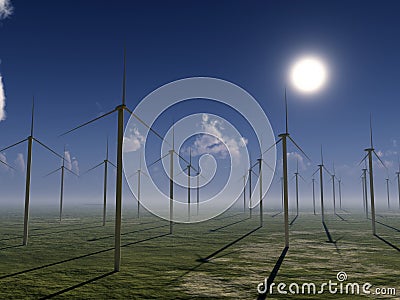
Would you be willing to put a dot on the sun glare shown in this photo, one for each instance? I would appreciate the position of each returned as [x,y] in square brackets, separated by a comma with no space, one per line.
[308,74]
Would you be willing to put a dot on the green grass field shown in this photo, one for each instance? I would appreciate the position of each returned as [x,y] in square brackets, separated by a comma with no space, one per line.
[74,259]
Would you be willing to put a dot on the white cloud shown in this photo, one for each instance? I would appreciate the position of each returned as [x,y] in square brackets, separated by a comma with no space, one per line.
[71,164]
[3,158]
[134,141]
[2,100]
[6,9]
[215,141]
[294,157]
[20,162]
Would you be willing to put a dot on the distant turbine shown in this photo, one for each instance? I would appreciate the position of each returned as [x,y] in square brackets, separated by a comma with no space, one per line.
[340,192]
[369,155]
[333,176]
[6,164]
[296,177]
[313,183]
[30,140]
[283,137]
[62,168]
[105,162]
[321,169]
[250,203]
[387,193]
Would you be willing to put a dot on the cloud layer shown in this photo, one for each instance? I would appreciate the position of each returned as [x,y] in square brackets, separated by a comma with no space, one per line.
[6,9]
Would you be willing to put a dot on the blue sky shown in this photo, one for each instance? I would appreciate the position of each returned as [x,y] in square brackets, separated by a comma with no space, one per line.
[69,56]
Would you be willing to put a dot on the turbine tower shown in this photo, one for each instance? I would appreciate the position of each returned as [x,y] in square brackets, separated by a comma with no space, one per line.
[365,194]
[30,139]
[321,169]
[370,151]
[105,162]
[62,168]
[333,175]
[313,193]
[398,181]
[388,193]
[120,109]
[283,137]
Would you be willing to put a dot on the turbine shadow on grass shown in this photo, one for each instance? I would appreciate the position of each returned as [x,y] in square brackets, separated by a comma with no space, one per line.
[50,233]
[10,247]
[78,285]
[294,220]
[273,274]
[230,224]
[387,242]
[330,240]
[125,233]
[340,217]
[277,214]
[388,226]
[230,216]
[208,258]
[79,257]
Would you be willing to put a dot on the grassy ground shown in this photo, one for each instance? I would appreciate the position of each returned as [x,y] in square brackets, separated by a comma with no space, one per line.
[74,259]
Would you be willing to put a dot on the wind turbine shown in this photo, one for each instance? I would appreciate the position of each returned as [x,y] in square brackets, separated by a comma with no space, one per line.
[296,177]
[388,193]
[333,175]
[283,137]
[62,168]
[30,139]
[105,162]
[370,151]
[250,203]
[120,109]
[321,169]
[313,193]
[340,192]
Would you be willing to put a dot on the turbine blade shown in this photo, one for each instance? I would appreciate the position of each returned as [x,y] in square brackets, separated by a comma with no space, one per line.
[107,149]
[365,157]
[6,164]
[52,172]
[370,129]
[286,112]
[52,151]
[147,126]
[298,147]
[87,123]
[383,164]
[153,163]
[183,171]
[91,169]
[4,149]
[315,172]
[276,143]
[268,166]
[72,172]
[33,113]
[111,163]
[322,156]
[124,80]
[302,178]
[327,170]
[130,176]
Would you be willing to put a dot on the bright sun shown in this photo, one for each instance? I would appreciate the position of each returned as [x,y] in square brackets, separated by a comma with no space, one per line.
[308,74]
